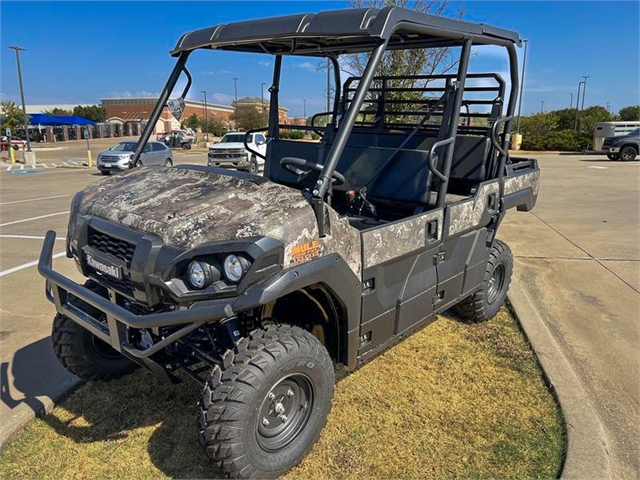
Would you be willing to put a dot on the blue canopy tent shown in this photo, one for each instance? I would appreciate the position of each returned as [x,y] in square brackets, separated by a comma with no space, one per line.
[51,121]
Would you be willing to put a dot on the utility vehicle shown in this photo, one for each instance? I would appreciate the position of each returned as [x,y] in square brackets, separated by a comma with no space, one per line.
[256,286]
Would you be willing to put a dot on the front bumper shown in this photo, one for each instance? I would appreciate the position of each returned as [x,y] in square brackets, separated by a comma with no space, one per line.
[612,149]
[236,162]
[114,167]
[61,291]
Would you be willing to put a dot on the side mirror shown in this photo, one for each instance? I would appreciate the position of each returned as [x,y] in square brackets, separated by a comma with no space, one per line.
[176,107]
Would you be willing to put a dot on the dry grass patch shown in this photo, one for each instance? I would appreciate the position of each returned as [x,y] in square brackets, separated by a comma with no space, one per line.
[453,400]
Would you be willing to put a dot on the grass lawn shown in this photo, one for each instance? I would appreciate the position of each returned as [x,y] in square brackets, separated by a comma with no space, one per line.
[453,400]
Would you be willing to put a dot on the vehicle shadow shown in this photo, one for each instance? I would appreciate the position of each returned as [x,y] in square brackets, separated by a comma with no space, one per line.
[597,160]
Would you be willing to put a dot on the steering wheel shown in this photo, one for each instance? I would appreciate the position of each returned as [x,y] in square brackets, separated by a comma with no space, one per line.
[302,168]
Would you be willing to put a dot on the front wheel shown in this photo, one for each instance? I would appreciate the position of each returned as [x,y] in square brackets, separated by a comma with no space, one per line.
[253,166]
[106,172]
[627,154]
[85,355]
[487,300]
[264,408]
[613,156]
[138,163]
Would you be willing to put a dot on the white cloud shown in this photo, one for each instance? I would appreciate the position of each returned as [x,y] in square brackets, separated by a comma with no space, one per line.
[264,63]
[139,93]
[216,72]
[222,98]
[308,66]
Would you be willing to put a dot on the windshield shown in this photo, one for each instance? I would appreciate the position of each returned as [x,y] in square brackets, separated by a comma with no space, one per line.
[124,147]
[233,138]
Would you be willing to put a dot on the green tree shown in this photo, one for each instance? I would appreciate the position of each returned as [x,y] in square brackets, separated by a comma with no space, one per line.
[214,126]
[58,112]
[193,122]
[592,115]
[248,118]
[630,113]
[95,113]
[11,116]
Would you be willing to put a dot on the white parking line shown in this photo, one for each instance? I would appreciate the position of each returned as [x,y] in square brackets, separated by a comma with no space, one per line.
[33,218]
[35,199]
[10,167]
[27,265]
[27,237]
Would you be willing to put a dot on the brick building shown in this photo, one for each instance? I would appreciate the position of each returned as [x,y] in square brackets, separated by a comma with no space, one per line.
[137,109]
[257,103]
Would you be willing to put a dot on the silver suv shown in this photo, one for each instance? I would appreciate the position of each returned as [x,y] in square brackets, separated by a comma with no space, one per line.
[118,157]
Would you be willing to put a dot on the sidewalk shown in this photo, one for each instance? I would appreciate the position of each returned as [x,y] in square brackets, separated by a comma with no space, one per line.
[576,292]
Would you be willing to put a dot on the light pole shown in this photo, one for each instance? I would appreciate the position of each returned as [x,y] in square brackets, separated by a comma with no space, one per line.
[584,91]
[571,101]
[524,64]
[304,106]
[206,116]
[262,100]
[575,123]
[24,106]
[541,105]
[235,86]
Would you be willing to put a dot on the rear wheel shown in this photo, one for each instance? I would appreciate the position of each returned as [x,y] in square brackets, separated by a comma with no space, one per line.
[168,163]
[613,156]
[85,355]
[487,300]
[264,408]
[627,154]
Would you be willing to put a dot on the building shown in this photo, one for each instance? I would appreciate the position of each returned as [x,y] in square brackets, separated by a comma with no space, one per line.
[138,109]
[259,104]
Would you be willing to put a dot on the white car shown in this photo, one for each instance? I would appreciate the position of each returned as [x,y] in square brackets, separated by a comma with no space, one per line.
[230,152]
[118,158]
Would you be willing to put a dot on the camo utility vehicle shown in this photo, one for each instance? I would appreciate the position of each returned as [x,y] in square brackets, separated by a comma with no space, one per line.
[255,286]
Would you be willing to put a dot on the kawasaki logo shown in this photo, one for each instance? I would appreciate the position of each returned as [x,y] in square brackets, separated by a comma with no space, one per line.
[110,270]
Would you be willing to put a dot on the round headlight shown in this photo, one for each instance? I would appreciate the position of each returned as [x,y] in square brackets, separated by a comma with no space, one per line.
[196,274]
[233,268]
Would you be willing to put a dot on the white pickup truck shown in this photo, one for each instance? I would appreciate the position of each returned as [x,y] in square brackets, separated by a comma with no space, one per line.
[230,152]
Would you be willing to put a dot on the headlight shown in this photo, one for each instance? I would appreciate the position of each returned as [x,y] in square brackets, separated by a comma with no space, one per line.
[234,267]
[200,274]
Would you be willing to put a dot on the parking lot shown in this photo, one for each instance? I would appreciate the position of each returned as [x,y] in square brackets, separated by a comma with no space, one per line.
[32,202]
[576,256]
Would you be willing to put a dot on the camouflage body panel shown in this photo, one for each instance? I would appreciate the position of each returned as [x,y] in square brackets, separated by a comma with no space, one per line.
[520,182]
[390,241]
[467,214]
[186,208]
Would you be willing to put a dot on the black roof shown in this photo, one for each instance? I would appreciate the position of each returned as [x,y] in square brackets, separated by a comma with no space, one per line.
[342,31]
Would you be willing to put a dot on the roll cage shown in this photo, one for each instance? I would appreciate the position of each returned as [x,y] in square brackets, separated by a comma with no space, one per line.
[364,102]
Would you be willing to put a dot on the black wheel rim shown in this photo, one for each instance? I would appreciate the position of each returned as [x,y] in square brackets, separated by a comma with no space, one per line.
[285,412]
[626,154]
[496,282]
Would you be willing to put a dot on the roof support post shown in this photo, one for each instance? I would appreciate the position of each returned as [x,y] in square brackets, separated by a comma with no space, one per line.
[324,180]
[511,107]
[162,102]
[453,119]
[274,117]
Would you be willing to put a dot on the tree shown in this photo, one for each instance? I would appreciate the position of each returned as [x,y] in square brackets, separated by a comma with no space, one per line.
[11,116]
[58,112]
[248,118]
[193,122]
[630,113]
[592,115]
[214,126]
[95,113]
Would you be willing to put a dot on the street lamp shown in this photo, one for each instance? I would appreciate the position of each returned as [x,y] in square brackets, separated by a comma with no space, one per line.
[571,101]
[541,105]
[304,103]
[262,99]
[206,116]
[24,106]
[575,123]
[524,64]
[584,91]
[235,86]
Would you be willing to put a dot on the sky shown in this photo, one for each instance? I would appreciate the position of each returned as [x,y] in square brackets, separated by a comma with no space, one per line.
[80,52]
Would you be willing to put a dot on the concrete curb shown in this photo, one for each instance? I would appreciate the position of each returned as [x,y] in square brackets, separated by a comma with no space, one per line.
[587,454]
[22,414]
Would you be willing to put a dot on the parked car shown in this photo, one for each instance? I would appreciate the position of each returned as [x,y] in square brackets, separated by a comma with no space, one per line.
[230,152]
[118,157]
[622,147]
[178,138]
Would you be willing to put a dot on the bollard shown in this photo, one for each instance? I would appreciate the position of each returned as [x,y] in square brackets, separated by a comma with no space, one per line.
[12,155]
[89,159]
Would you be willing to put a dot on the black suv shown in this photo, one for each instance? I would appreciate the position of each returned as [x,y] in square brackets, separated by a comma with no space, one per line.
[622,147]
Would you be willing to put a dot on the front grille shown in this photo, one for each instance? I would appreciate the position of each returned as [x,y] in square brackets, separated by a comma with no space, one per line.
[229,153]
[112,246]
[607,142]
[124,286]
[111,158]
